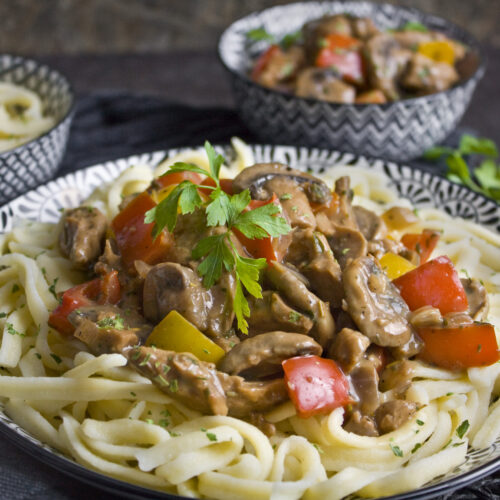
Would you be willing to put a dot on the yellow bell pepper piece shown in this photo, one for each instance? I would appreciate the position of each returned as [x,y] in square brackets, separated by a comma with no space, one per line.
[162,193]
[176,333]
[395,265]
[439,51]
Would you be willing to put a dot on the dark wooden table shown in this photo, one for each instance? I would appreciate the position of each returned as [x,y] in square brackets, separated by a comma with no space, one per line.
[197,79]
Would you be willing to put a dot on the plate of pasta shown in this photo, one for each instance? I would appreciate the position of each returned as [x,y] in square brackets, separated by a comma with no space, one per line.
[253,321]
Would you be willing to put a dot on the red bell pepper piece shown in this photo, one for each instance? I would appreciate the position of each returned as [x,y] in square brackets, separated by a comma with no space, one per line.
[133,235]
[459,348]
[423,243]
[263,60]
[105,290]
[435,283]
[268,248]
[315,385]
[177,178]
[341,53]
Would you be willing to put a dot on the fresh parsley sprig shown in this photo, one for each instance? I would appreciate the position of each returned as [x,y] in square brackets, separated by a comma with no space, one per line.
[485,179]
[218,251]
[260,34]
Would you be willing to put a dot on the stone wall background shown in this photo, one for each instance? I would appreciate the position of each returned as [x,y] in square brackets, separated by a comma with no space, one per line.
[51,27]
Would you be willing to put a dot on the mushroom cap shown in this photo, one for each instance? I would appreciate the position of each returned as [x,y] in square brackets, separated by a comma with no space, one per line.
[255,177]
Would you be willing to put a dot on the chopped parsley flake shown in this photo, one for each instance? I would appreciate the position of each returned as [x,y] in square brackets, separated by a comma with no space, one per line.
[10,329]
[285,196]
[416,447]
[211,436]
[419,422]
[56,358]
[396,450]
[145,360]
[294,316]
[116,323]
[463,428]
[174,385]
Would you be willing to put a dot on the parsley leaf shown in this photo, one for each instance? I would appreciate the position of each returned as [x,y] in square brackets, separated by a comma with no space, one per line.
[247,271]
[463,428]
[186,167]
[259,34]
[470,144]
[116,323]
[215,162]
[485,179]
[219,210]
[396,450]
[260,222]
[415,26]
[216,254]
[10,329]
[241,308]
[227,212]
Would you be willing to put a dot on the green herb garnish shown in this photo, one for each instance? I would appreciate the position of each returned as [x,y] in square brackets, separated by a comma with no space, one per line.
[414,26]
[10,329]
[211,436]
[485,178]
[56,358]
[396,450]
[259,34]
[217,251]
[52,289]
[116,323]
[463,428]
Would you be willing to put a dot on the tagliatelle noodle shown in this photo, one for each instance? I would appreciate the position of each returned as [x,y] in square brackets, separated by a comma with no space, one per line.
[111,419]
[21,116]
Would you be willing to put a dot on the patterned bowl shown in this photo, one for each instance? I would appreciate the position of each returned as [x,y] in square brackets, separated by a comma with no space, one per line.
[35,162]
[398,130]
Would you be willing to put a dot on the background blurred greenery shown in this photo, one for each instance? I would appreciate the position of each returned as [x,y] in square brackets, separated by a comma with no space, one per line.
[49,27]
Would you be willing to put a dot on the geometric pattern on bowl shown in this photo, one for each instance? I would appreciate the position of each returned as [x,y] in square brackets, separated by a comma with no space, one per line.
[398,130]
[35,162]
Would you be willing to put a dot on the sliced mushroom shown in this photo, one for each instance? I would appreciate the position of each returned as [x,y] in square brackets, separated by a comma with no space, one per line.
[245,397]
[348,348]
[393,414]
[364,379]
[182,376]
[169,286]
[375,304]
[261,356]
[297,293]
[310,253]
[82,235]
[295,203]
[272,313]
[360,424]
[324,84]
[370,224]
[347,244]
[477,298]
[386,60]
[254,178]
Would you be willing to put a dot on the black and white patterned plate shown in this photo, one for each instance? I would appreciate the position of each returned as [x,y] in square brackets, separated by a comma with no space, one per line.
[421,188]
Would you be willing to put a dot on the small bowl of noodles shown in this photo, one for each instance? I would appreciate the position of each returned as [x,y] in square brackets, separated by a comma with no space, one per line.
[36,105]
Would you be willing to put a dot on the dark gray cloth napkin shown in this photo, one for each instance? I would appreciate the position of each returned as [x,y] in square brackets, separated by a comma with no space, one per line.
[109,126]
